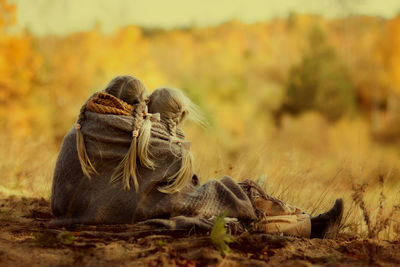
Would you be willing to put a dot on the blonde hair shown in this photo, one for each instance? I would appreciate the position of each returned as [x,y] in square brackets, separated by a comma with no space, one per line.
[173,104]
[174,107]
[87,167]
[132,91]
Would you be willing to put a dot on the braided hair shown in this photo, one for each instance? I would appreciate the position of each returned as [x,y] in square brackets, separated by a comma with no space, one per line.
[174,107]
[132,91]
[87,167]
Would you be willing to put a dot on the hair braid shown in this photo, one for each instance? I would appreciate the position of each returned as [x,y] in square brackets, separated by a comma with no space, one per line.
[171,125]
[181,178]
[132,92]
[144,141]
[127,169]
[87,167]
[174,107]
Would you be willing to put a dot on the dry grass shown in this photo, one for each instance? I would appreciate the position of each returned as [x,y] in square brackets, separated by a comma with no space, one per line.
[380,224]
[26,166]
[310,163]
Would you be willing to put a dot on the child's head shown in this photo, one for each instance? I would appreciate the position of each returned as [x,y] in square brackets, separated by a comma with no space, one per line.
[129,89]
[174,107]
[132,91]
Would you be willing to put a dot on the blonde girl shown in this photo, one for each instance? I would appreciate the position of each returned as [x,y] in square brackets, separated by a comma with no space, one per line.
[174,107]
[124,95]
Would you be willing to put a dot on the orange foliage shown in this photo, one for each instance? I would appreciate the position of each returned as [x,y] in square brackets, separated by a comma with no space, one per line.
[391,53]
[19,66]
[224,68]
[7,14]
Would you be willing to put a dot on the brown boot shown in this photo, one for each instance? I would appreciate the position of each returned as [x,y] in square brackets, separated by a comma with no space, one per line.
[326,225]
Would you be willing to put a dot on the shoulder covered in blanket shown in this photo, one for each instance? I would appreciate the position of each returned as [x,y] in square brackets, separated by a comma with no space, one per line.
[77,199]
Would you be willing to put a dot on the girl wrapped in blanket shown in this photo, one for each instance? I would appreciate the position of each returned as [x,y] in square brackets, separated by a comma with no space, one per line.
[274,215]
[117,164]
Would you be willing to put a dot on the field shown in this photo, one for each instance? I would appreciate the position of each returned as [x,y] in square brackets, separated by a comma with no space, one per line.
[25,240]
[308,106]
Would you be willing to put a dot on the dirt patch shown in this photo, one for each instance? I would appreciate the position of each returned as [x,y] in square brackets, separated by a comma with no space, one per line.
[26,240]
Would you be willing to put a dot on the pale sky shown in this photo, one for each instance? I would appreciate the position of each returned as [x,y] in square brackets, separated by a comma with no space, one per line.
[66,16]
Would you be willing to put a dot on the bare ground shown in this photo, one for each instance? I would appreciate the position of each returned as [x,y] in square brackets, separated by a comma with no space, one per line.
[26,240]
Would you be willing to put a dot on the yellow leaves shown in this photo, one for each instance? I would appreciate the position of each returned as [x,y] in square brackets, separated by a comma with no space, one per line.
[7,14]
[18,64]
[235,70]
[19,67]
[129,34]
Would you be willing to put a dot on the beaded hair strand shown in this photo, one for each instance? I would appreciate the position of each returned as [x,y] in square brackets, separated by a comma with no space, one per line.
[132,91]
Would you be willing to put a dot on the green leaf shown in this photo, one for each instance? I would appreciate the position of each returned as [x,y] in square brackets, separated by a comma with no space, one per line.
[219,237]
[66,237]
[48,239]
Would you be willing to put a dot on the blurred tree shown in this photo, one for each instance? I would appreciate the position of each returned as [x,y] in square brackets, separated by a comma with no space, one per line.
[358,44]
[320,82]
[386,123]
[7,14]
[391,54]
[19,66]
[239,73]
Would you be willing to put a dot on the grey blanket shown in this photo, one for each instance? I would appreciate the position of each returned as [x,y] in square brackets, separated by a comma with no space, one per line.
[78,199]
